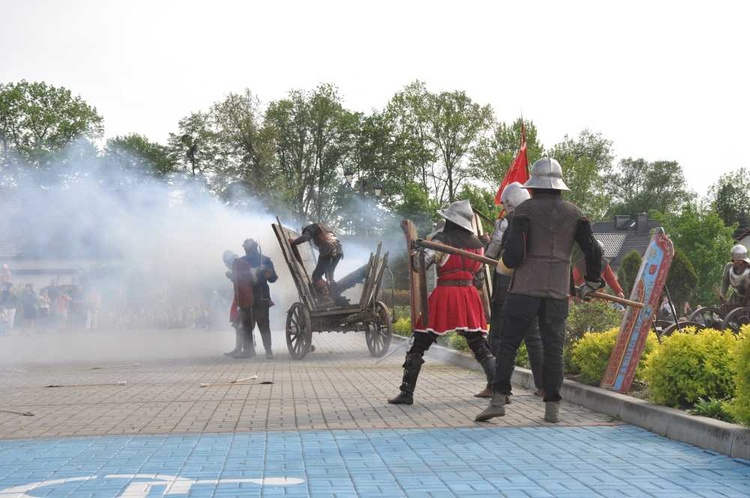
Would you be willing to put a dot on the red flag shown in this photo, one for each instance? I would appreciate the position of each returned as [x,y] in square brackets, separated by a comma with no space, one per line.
[518,171]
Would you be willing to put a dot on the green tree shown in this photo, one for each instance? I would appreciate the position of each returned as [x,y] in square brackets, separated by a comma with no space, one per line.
[730,197]
[444,129]
[494,154]
[196,147]
[639,186]
[135,153]
[37,121]
[314,136]
[706,241]
[246,145]
[682,280]
[628,271]
[585,161]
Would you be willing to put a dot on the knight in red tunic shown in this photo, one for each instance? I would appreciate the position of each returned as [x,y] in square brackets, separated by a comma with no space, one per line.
[454,304]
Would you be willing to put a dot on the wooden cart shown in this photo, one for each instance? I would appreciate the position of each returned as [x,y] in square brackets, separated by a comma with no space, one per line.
[316,313]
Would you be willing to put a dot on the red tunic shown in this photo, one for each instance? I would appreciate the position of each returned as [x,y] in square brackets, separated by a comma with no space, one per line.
[452,307]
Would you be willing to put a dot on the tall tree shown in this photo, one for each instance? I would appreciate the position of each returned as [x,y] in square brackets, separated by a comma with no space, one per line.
[730,197]
[196,147]
[136,154]
[314,138]
[37,121]
[494,154]
[445,127]
[706,241]
[585,161]
[639,186]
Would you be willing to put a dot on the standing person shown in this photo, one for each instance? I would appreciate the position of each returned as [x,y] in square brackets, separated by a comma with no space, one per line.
[252,273]
[228,257]
[330,253]
[29,307]
[513,195]
[737,277]
[454,304]
[9,302]
[538,249]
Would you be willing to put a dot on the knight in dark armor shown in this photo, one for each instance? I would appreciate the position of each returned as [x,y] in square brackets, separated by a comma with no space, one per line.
[454,304]
[537,253]
[330,253]
[736,277]
[251,274]
[512,195]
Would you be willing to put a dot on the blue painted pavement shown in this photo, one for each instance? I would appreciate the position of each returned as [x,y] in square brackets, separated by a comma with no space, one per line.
[602,461]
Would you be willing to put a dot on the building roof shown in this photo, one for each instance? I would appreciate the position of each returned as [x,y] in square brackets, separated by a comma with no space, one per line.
[624,234]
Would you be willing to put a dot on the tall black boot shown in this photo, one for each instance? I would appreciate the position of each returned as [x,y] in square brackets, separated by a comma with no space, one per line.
[248,348]
[412,366]
[488,365]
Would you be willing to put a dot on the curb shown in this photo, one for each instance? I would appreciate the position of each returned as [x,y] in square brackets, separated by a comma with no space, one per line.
[703,432]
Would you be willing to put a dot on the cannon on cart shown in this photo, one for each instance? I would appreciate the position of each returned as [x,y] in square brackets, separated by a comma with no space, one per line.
[315,312]
[722,317]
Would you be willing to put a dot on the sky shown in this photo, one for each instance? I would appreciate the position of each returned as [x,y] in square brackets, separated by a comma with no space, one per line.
[663,80]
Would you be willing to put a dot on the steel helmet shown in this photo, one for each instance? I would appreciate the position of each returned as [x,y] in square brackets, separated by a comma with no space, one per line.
[740,252]
[513,195]
[546,173]
[460,213]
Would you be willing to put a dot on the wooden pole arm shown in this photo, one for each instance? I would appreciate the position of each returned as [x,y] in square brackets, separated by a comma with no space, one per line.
[615,299]
[489,261]
[437,246]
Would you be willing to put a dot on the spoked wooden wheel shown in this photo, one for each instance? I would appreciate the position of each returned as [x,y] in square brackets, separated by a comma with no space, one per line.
[298,331]
[378,332]
[673,327]
[736,318]
[709,316]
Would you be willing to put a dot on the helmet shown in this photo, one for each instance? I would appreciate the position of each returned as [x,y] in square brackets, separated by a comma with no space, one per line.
[228,257]
[250,245]
[740,252]
[513,195]
[460,213]
[546,173]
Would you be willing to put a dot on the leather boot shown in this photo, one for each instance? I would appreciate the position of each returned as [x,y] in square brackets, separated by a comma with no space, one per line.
[488,365]
[552,411]
[496,408]
[412,366]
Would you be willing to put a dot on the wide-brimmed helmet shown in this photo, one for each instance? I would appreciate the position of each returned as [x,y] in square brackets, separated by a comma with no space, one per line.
[460,213]
[546,173]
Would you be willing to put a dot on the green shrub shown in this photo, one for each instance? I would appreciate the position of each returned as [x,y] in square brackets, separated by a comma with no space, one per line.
[591,354]
[592,316]
[402,326]
[740,407]
[522,356]
[456,341]
[712,408]
[689,366]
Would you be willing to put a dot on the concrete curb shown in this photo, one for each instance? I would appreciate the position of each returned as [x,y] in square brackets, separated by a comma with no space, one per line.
[722,437]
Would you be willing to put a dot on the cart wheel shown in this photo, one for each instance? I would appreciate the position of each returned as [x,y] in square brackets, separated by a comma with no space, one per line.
[379,331]
[298,331]
[736,319]
[709,316]
[673,326]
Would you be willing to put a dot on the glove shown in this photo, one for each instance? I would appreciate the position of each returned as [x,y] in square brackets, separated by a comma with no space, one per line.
[584,290]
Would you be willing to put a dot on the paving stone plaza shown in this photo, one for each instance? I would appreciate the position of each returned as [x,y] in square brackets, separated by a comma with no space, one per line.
[142,425]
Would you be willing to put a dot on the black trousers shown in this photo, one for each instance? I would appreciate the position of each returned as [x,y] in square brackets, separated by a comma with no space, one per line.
[326,266]
[520,311]
[533,339]
[259,315]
